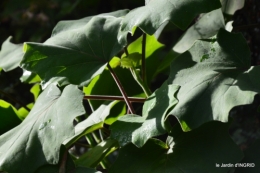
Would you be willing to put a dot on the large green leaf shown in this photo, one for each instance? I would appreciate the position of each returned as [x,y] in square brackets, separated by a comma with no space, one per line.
[75,55]
[75,24]
[197,151]
[214,75]
[136,129]
[151,16]
[207,26]
[96,154]
[10,55]
[38,138]
[8,117]
[93,122]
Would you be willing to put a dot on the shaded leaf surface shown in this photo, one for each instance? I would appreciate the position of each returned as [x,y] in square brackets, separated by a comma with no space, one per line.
[214,75]
[207,26]
[39,137]
[151,16]
[208,145]
[136,129]
[96,154]
[10,55]
[75,55]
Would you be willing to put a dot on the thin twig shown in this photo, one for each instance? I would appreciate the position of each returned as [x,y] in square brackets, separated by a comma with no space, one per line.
[120,98]
[63,163]
[14,100]
[143,58]
[120,86]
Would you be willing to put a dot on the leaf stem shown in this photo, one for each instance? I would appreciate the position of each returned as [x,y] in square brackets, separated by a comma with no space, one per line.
[120,98]
[141,82]
[120,86]
[143,58]
[14,100]
[63,163]
[137,77]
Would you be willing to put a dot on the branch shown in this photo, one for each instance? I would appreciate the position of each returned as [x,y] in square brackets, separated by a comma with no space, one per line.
[120,98]
[120,86]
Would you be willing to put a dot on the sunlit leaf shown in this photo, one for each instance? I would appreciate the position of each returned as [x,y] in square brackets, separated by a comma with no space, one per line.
[75,55]
[93,122]
[152,52]
[29,77]
[10,55]
[136,129]
[38,138]
[215,76]
[151,16]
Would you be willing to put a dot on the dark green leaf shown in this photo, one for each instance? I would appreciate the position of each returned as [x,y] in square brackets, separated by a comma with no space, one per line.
[151,16]
[95,155]
[197,151]
[38,138]
[136,129]
[10,55]
[214,76]
[75,55]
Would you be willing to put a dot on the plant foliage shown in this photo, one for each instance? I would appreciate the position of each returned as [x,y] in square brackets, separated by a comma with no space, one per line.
[179,126]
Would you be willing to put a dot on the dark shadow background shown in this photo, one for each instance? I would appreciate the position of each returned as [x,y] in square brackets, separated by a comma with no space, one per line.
[33,20]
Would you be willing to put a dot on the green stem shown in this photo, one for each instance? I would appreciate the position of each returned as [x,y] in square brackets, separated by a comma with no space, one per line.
[143,84]
[96,138]
[14,100]
[90,140]
[136,76]
[122,90]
